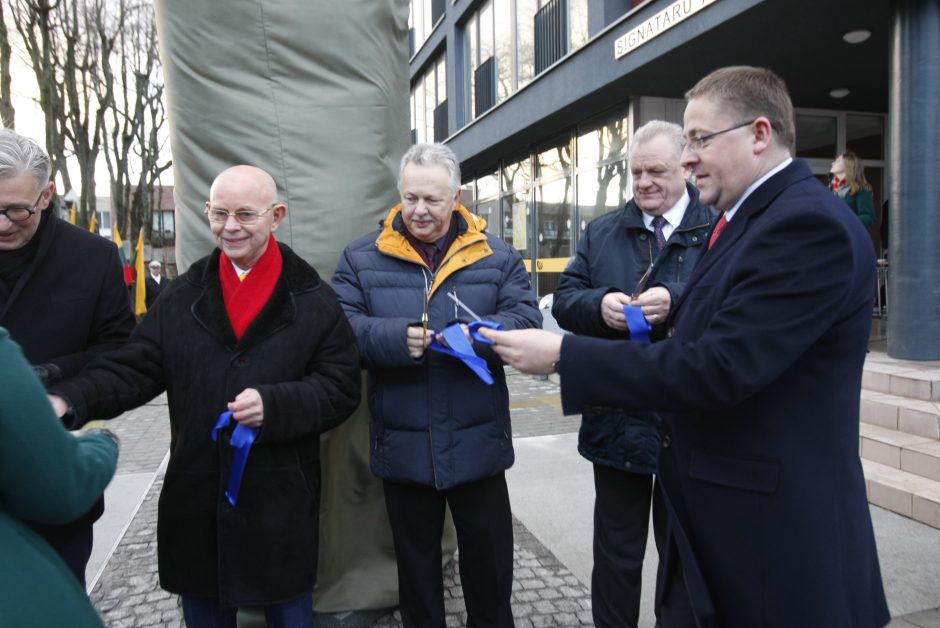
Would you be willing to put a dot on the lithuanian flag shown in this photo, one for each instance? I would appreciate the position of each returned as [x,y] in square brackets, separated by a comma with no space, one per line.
[127,268]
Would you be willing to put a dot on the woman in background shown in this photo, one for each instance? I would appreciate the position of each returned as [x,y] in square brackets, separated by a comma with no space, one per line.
[49,476]
[849,184]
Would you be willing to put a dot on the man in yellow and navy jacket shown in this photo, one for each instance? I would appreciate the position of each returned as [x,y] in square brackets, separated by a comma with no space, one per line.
[438,433]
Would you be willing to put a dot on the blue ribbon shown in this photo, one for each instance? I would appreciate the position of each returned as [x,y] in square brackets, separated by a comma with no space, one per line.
[474,329]
[637,324]
[459,346]
[243,437]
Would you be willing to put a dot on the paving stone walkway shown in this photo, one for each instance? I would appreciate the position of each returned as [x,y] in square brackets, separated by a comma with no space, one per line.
[128,595]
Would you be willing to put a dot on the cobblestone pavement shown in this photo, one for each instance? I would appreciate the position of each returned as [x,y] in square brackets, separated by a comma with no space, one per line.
[128,593]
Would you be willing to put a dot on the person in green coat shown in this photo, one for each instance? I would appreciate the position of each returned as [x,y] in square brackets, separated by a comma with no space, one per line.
[48,476]
[849,184]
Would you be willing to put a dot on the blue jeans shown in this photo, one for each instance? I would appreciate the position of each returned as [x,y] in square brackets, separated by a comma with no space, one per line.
[202,612]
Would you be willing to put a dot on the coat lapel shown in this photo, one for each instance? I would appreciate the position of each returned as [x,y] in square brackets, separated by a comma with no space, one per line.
[209,307]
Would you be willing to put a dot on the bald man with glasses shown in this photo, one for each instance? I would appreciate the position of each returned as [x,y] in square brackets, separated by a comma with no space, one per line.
[254,352]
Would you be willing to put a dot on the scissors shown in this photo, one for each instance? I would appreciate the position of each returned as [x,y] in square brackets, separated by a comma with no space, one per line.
[477,323]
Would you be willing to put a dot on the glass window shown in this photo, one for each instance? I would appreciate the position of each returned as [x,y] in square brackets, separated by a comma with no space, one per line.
[578,15]
[488,186]
[427,14]
[441,81]
[816,137]
[516,222]
[503,23]
[604,142]
[517,175]
[429,104]
[420,116]
[486,32]
[525,40]
[553,233]
[489,210]
[555,161]
[601,190]
[865,136]
[554,218]
[419,20]
[472,62]
[468,195]
[167,228]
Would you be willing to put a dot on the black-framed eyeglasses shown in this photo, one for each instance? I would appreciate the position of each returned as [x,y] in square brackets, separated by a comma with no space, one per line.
[242,216]
[698,143]
[19,213]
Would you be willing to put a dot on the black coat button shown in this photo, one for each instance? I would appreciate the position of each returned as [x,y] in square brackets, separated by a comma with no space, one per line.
[666,441]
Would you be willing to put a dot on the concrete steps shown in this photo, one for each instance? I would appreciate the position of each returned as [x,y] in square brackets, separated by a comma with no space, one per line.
[899,436]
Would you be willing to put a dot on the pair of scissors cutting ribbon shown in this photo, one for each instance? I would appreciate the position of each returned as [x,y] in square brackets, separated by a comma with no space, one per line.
[243,437]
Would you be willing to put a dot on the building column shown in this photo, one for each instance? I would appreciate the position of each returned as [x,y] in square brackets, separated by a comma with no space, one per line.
[914,205]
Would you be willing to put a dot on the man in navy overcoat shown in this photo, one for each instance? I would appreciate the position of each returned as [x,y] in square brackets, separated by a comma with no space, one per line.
[768,519]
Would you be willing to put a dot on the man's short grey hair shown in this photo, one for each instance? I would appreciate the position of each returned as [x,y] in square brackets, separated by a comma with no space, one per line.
[19,154]
[432,155]
[657,128]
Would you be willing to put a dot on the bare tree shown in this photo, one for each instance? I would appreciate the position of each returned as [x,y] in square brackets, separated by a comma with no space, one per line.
[136,121]
[36,24]
[7,111]
[101,90]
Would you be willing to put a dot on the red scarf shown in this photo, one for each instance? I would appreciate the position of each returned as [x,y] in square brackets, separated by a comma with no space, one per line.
[244,299]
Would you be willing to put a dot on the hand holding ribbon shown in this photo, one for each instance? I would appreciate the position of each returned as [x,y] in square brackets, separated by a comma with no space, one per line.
[637,324]
[243,437]
[458,345]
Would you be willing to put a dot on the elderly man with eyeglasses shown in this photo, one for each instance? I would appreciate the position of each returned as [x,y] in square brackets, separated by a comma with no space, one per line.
[253,330]
[62,297]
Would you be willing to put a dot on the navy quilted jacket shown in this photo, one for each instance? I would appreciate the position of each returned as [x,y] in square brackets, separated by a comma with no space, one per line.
[612,256]
[433,421]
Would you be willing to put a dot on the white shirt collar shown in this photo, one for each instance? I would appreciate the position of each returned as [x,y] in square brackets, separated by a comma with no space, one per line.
[673,215]
[240,271]
[783,164]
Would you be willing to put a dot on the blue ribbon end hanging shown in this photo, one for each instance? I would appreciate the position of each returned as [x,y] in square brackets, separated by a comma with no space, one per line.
[637,324]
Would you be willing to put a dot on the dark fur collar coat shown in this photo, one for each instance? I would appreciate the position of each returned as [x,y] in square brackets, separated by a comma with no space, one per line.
[300,354]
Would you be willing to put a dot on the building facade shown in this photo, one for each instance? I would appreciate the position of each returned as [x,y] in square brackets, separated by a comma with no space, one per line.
[540,98]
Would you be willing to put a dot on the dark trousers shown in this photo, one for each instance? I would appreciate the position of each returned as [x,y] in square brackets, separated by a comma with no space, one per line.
[73,543]
[206,613]
[621,523]
[676,608]
[483,521]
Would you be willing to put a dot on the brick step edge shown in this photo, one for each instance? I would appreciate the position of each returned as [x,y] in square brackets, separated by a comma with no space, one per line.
[913,416]
[903,379]
[914,454]
[903,493]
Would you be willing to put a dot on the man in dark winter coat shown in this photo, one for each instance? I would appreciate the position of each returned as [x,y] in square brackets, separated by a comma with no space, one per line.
[758,382]
[640,255]
[62,297]
[155,283]
[250,329]
[440,435]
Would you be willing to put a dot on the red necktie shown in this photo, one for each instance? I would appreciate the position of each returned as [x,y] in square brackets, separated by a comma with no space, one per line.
[719,227]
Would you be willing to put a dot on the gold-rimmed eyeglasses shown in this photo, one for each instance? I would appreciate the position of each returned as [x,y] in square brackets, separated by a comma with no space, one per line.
[698,143]
[19,213]
[242,216]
